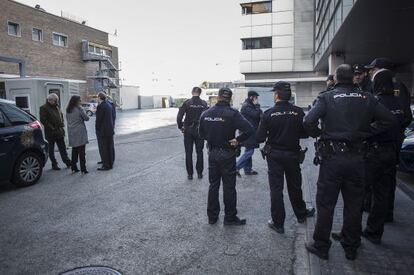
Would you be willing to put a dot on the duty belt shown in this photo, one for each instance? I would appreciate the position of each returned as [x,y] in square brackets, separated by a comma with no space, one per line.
[327,147]
[377,146]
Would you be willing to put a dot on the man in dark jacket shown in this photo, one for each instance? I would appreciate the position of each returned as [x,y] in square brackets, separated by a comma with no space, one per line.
[382,158]
[192,110]
[348,116]
[52,119]
[252,112]
[282,128]
[105,132]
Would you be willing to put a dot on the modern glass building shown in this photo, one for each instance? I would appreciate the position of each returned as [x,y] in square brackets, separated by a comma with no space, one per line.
[357,31]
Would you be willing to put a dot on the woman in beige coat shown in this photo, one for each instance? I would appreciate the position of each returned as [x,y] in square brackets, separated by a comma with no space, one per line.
[77,133]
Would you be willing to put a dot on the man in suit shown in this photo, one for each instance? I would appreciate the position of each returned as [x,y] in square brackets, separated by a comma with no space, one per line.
[105,132]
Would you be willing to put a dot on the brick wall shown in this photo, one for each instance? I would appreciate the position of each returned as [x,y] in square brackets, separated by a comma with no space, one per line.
[44,58]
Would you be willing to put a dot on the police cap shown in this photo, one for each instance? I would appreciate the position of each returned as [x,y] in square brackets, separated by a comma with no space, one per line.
[380,63]
[359,69]
[252,93]
[281,86]
[225,93]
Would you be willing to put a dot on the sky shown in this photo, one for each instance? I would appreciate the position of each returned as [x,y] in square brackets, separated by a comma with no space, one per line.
[165,46]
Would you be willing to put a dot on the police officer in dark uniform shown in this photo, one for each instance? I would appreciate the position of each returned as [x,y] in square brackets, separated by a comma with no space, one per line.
[361,78]
[348,116]
[404,97]
[382,157]
[282,128]
[218,126]
[330,84]
[192,109]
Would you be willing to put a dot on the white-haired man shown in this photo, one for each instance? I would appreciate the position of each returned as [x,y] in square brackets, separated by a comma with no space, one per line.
[52,119]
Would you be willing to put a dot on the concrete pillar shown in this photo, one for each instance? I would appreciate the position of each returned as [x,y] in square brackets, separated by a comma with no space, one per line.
[335,59]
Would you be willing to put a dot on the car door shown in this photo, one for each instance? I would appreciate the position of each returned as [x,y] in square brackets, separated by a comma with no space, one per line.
[9,137]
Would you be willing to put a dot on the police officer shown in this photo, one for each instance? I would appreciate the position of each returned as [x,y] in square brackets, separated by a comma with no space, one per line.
[192,110]
[348,116]
[382,158]
[218,126]
[404,98]
[361,78]
[281,127]
[330,82]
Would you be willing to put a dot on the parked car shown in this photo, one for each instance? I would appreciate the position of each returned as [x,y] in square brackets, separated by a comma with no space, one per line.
[23,149]
[90,108]
[407,155]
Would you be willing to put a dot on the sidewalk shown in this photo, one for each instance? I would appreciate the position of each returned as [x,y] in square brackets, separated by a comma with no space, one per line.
[394,256]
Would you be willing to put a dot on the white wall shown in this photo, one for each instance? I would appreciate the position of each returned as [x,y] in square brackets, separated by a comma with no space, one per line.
[129,97]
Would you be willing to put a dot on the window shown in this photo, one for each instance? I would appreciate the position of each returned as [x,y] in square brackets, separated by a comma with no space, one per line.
[2,120]
[255,8]
[37,35]
[23,103]
[257,43]
[95,49]
[14,29]
[16,116]
[60,40]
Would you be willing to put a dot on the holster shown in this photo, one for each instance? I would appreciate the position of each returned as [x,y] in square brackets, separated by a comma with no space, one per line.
[266,150]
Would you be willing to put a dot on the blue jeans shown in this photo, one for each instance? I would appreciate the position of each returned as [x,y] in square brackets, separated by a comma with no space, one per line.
[245,161]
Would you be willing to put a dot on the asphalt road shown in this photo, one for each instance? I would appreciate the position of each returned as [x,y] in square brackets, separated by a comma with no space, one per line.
[143,217]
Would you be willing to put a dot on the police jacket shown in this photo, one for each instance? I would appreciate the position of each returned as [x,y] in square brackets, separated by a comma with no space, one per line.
[366,85]
[192,109]
[347,114]
[282,126]
[252,113]
[218,125]
[104,124]
[404,98]
[393,134]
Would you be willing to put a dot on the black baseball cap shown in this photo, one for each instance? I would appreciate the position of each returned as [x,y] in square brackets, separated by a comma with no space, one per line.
[359,68]
[252,93]
[225,93]
[281,85]
[380,63]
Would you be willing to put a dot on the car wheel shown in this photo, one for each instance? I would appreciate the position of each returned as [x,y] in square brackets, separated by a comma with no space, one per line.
[89,113]
[28,169]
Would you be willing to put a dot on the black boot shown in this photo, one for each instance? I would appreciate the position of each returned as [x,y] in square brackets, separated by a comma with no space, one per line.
[310,247]
[235,221]
[337,236]
[280,230]
[310,212]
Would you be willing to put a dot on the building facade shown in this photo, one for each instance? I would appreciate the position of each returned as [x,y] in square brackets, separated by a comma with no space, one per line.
[278,44]
[358,31]
[53,46]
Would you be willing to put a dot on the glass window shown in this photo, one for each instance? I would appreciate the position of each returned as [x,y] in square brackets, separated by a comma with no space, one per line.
[256,8]
[23,103]
[60,40]
[13,29]
[16,116]
[2,120]
[257,43]
[37,35]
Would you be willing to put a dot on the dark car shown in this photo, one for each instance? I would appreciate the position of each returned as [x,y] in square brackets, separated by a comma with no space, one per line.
[407,155]
[23,150]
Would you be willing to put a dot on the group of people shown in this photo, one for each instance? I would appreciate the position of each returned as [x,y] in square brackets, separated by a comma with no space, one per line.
[358,123]
[52,119]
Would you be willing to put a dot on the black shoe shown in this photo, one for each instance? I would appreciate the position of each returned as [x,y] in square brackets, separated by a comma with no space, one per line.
[100,162]
[56,167]
[190,177]
[85,172]
[212,220]
[103,168]
[373,240]
[238,174]
[310,247]
[272,226]
[251,173]
[200,176]
[337,236]
[351,254]
[235,221]
[310,212]
[76,170]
